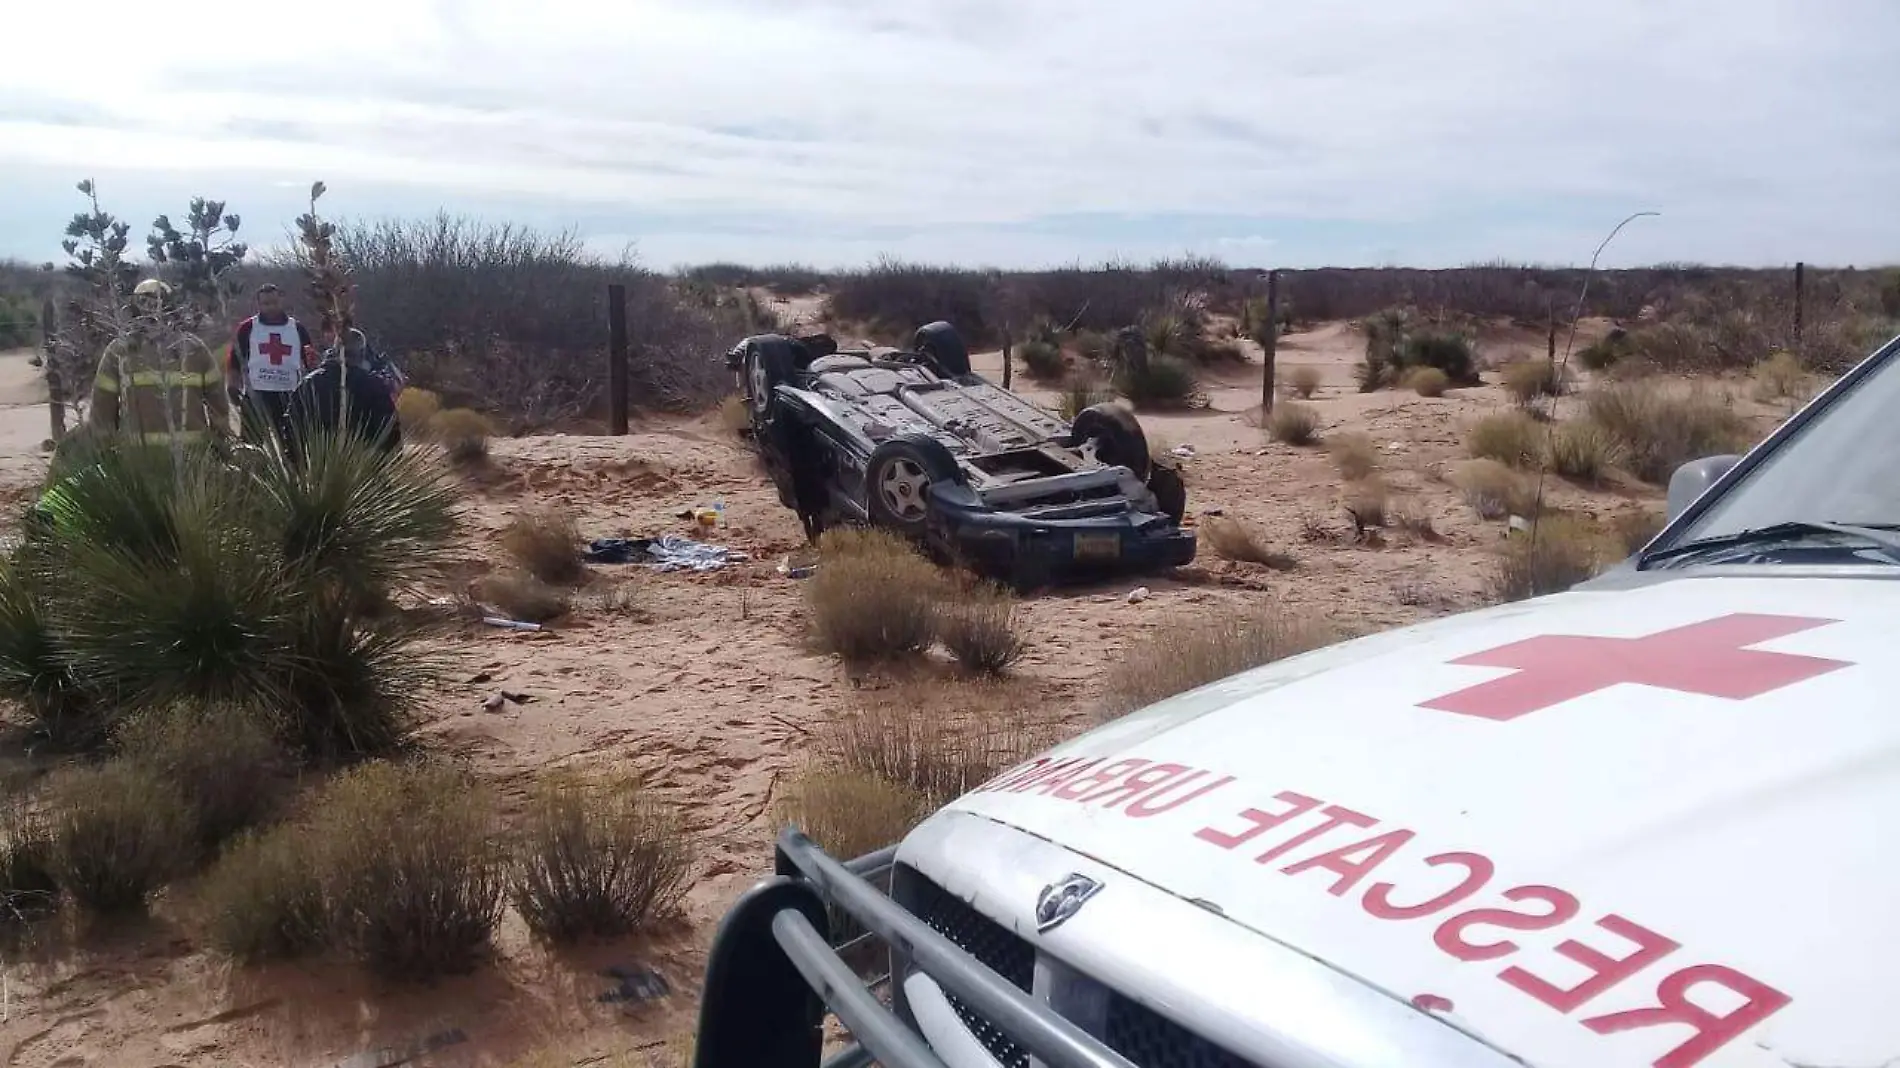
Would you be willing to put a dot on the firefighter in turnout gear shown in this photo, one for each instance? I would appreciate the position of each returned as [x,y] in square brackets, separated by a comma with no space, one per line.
[151,392]
[269,357]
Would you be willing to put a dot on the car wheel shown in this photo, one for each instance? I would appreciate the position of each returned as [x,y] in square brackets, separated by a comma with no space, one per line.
[768,362]
[940,344]
[1117,436]
[898,478]
[1170,491]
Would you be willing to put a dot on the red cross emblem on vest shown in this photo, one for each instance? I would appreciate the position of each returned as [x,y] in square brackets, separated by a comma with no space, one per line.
[275,349]
[1711,658]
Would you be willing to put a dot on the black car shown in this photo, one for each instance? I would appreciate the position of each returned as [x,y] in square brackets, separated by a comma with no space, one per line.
[911,440]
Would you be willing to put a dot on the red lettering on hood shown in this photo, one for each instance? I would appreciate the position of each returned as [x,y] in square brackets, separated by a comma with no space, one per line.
[1605,971]
[1561,908]
[1712,1031]
[1711,658]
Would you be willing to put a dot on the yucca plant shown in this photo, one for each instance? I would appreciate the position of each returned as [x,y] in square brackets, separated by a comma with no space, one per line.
[355,514]
[254,579]
[34,673]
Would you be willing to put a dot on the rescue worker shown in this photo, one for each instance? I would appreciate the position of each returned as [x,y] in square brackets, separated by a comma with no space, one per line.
[345,394]
[357,349]
[270,354]
[149,393]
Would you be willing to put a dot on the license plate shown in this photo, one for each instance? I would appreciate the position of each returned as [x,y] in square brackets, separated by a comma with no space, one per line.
[1097,546]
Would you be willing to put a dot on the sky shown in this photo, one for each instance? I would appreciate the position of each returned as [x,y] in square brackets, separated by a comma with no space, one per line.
[1006,133]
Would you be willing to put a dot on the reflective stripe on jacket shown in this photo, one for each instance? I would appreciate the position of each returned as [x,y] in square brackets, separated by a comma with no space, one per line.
[148,395]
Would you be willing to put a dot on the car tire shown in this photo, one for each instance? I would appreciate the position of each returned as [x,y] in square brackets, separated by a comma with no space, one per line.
[941,345]
[1118,437]
[768,361]
[1170,491]
[898,477]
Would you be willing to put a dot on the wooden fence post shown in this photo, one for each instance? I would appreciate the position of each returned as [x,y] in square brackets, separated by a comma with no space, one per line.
[1269,344]
[55,387]
[1006,359]
[1800,298]
[617,357]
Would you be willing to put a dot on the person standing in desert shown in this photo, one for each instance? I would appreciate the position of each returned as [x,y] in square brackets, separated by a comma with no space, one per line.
[269,357]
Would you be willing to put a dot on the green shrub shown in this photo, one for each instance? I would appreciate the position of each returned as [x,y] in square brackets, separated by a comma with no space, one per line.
[1163,382]
[19,321]
[35,673]
[595,858]
[1042,360]
[1450,353]
[1604,354]
[118,831]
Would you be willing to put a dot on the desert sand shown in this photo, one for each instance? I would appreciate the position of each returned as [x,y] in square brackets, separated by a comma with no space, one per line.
[705,685]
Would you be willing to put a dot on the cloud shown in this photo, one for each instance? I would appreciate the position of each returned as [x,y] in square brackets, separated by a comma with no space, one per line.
[1439,130]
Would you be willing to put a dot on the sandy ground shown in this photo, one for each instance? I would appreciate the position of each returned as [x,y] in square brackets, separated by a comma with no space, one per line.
[703,683]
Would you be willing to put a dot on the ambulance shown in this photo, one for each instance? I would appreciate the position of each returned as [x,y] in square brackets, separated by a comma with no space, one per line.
[1643,822]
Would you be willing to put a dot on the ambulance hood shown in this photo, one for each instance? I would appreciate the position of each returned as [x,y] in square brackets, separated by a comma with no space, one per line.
[1483,814]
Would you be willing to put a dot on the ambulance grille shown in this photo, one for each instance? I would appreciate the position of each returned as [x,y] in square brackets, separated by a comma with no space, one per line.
[987,941]
[1153,1041]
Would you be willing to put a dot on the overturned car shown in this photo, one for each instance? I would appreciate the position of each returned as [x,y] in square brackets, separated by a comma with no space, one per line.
[912,441]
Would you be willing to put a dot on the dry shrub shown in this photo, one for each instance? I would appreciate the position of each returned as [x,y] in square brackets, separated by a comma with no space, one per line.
[1555,554]
[1406,515]
[525,598]
[851,813]
[1292,423]
[413,879]
[1365,502]
[118,831]
[597,858]
[28,889]
[873,596]
[1233,540]
[927,745]
[223,760]
[1185,654]
[1508,437]
[1354,454]
[1303,380]
[547,545]
[735,415]
[264,899]
[416,409]
[1495,491]
[1428,382]
[1081,393]
[1781,377]
[1528,380]
[978,626]
[1659,429]
[1583,450]
[463,433]
[1635,528]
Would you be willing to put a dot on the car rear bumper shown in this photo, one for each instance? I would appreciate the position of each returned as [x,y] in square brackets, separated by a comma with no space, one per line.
[1004,542]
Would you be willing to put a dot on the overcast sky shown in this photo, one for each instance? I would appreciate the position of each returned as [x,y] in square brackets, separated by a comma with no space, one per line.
[1001,132]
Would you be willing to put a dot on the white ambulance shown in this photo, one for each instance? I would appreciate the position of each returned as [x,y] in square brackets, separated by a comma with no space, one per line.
[1643,822]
